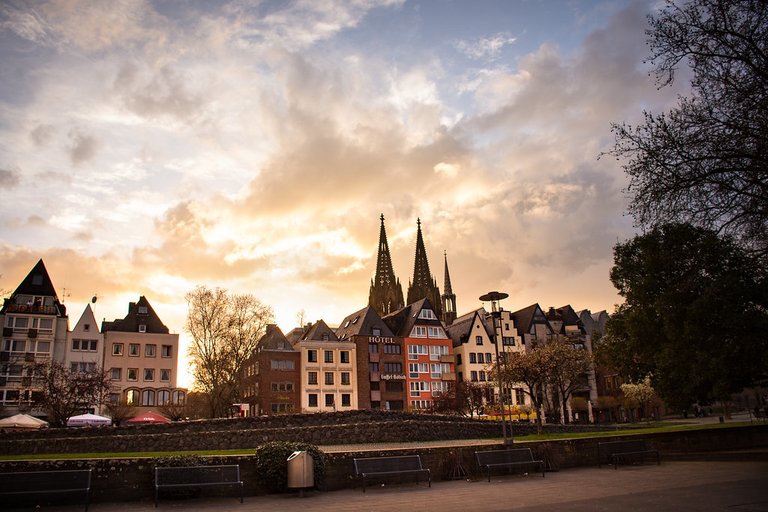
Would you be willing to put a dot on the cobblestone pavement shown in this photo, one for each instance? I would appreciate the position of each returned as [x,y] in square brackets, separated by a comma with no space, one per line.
[732,486]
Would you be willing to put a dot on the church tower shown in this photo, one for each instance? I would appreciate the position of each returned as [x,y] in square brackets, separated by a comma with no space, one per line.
[386,293]
[423,284]
[449,298]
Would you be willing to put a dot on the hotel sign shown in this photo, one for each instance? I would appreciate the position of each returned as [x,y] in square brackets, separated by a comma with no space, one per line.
[381,339]
[392,376]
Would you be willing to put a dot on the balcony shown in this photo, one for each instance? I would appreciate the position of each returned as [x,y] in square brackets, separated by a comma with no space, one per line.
[446,358]
[448,376]
[31,308]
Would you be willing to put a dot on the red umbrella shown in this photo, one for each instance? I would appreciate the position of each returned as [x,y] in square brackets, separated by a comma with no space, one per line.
[148,417]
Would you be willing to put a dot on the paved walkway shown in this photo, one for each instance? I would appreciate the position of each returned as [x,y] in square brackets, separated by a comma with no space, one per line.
[730,486]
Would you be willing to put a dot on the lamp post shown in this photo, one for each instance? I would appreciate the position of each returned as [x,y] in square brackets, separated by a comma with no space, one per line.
[494,298]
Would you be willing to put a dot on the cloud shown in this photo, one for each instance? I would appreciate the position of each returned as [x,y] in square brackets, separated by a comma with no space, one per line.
[42,134]
[9,179]
[82,148]
[488,48]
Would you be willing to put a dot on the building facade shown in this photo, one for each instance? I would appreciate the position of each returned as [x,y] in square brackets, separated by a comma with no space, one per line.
[271,381]
[35,326]
[141,356]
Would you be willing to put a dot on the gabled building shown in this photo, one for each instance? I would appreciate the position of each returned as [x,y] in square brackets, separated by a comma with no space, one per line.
[328,371]
[141,356]
[271,381]
[386,293]
[381,380]
[532,326]
[85,344]
[35,326]
[430,352]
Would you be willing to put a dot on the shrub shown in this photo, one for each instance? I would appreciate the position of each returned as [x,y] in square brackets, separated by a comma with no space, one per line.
[272,467]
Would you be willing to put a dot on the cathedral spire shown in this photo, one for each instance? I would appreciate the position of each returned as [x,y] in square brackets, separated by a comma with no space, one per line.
[449,298]
[386,294]
[423,284]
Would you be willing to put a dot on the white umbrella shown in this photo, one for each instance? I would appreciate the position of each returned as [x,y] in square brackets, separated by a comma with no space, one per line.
[22,421]
[88,420]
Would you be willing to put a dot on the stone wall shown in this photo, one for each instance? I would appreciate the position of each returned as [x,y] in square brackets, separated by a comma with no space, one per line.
[356,427]
[131,479]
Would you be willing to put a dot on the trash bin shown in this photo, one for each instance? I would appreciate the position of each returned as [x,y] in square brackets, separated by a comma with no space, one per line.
[301,470]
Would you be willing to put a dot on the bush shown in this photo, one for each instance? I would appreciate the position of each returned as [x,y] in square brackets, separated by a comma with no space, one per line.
[272,467]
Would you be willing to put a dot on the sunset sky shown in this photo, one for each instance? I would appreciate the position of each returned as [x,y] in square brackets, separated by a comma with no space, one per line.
[147,147]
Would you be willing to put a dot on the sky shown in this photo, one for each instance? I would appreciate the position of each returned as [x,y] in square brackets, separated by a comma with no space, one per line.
[149,147]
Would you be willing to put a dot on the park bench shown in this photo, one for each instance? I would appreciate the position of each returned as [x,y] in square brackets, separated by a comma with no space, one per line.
[46,483]
[383,467]
[512,458]
[195,477]
[616,452]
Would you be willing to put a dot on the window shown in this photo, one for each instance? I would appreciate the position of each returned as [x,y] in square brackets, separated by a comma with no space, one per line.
[419,331]
[43,347]
[373,367]
[344,356]
[438,351]
[472,357]
[165,375]
[311,356]
[436,332]
[482,376]
[142,327]
[178,397]
[14,345]
[117,349]
[376,332]
[328,356]
[282,408]
[393,367]
[414,369]
[373,348]
[312,378]
[163,397]
[329,378]
[81,367]
[345,378]
[427,314]
[142,310]
[473,376]
[116,373]
[282,386]
[329,401]
[479,340]
[508,341]
[86,327]
[435,370]
[148,397]
[519,396]
[149,374]
[133,374]
[132,397]
[346,400]
[458,359]
[481,358]
[392,348]
[414,351]
[439,388]
[166,351]
[394,386]
[418,387]
[282,364]
[149,350]
[84,345]
[133,349]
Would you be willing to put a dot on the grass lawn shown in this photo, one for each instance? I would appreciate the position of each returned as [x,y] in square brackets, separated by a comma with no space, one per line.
[640,428]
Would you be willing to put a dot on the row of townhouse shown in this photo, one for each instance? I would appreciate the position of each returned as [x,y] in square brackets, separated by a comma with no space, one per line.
[402,361]
[138,351]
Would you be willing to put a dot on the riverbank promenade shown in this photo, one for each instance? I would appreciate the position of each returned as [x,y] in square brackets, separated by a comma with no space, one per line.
[736,482]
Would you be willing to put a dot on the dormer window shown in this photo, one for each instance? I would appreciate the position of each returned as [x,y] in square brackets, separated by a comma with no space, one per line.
[427,314]
[376,331]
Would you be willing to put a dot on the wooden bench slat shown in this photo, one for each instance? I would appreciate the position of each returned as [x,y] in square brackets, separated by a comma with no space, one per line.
[388,466]
[177,477]
[509,458]
[68,481]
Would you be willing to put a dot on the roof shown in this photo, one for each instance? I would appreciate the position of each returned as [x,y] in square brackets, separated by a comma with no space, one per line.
[459,330]
[139,313]
[401,322]
[319,331]
[37,284]
[526,317]
[362,323]
[274,339]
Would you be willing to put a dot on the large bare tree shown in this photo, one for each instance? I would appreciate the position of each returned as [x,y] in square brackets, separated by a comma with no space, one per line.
[225,329]
[705,162]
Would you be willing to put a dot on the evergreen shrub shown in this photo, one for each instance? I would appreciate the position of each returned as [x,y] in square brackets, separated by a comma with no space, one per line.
[272,467]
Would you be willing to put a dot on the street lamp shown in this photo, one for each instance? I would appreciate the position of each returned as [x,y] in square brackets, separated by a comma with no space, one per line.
[494,298]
